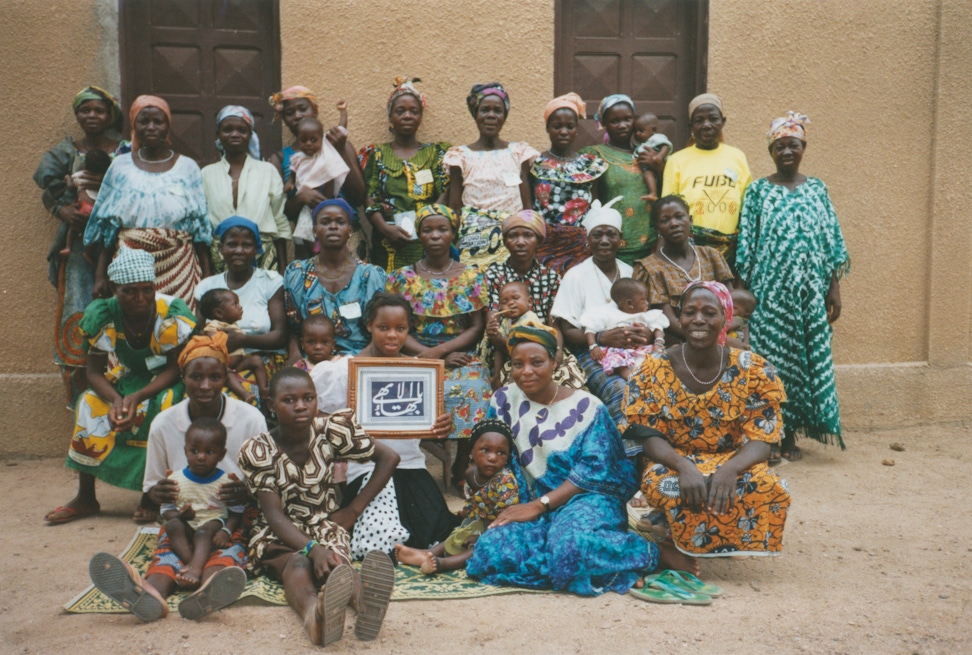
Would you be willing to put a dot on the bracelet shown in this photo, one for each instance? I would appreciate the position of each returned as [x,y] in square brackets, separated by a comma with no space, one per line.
[310,546]
[227,530]
[597,338]
[593,346]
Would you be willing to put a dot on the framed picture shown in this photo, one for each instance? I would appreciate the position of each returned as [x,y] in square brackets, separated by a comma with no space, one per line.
[399,400]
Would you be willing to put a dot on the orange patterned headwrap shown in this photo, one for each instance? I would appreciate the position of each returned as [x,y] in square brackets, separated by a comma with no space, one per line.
[277,100]
[141,103]
[570,101]
[205,345]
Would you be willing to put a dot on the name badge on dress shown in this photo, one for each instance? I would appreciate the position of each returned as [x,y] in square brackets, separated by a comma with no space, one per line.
[512,179]
[732,175]
[155,361]
[351,311]
[424,176]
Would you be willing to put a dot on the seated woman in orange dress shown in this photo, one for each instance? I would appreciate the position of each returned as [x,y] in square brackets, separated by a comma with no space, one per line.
[707,415]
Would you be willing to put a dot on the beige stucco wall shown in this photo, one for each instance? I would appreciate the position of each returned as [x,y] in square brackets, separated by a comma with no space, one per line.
[884,82]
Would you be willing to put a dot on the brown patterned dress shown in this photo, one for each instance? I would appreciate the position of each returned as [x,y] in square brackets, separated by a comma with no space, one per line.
[309,493]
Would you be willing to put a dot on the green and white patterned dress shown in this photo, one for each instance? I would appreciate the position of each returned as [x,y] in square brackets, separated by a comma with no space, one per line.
[790,244]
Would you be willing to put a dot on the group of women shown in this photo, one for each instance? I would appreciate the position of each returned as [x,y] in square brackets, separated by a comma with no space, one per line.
[450,227]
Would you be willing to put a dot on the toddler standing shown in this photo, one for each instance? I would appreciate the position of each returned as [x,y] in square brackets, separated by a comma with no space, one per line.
[646,137]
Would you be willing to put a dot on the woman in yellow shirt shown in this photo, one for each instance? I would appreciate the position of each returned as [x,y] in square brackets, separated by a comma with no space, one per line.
[711,176]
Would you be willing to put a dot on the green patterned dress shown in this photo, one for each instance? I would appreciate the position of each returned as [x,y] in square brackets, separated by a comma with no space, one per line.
[790,245]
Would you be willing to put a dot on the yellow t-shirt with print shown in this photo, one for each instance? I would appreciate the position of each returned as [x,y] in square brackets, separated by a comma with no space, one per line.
[712,182]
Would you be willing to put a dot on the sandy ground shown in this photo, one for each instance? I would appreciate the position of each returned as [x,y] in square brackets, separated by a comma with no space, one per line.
[877,560]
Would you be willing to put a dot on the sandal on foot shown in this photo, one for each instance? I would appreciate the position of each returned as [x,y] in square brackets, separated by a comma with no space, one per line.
[377,582]
[219,591]
[65,514]
[775,457]
[793,454]
[121,582]
[145,515]
[659,591]
[333,603]
[689,582]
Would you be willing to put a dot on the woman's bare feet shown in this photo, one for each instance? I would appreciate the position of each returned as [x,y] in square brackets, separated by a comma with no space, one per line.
[670,557]
[188,578]
[313,619]
[431,565]
[410,556]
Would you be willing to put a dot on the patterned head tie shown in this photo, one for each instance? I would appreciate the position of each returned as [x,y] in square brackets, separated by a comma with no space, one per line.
[721,293]
[435,209]
[479,93]
[599,215]
[609,102]
[570,101]
[793,124]
[529,219]
[132,266]
[534,333]
[491,425]
[97,93]
[205,345]
[278,100]
[405,86]
[244,113]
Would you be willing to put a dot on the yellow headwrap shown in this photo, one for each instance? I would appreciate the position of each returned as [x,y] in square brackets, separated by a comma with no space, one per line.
[534,333]
[436,209]
[205,345]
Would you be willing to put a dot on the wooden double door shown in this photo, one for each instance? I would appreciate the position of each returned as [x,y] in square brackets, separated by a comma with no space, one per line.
[652,50]
[201,55]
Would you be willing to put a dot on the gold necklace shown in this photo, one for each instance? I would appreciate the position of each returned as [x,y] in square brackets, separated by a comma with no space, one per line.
[320,273]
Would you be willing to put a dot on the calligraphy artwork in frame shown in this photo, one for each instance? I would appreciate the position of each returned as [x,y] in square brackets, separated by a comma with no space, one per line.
[396,398]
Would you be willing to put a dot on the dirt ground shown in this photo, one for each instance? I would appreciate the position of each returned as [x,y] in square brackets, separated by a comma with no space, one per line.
[878,559]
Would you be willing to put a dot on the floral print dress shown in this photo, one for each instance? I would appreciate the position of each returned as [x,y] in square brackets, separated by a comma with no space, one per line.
[709,429]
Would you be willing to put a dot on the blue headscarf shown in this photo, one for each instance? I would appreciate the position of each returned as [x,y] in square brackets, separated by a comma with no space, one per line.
[609,102]
[338,202]
[239,221]
[244,113]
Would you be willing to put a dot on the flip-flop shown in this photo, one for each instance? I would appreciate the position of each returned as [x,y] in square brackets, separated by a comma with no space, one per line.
[690,583]
[775,456]
[69,514]
[121,582]
[794,454]
[333,603]
[219,591]
[659,591]
[377,582]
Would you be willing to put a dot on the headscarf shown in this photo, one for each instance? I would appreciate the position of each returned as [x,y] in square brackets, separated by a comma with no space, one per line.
[277,100]
[609,102]
[131,266]
[436,209]
[97,93]
[244,113]
[336,202]
[480,91]
[704,99]
[205,345]
[793,124]
[141,103]
[570,101]
[725,299]
[529,219]
[245,223]
[534,333]
[599,215]
[404,86]
[490,425]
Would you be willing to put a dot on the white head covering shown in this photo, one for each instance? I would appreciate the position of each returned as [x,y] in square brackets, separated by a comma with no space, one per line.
[600,214]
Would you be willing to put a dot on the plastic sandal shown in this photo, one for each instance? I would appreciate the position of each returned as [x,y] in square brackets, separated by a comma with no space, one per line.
[659,591]
[334,604]
[219,591]
[121,582]
[689,582]
[377,581]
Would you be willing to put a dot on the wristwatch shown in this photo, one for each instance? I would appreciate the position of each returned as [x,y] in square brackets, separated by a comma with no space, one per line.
[545,501]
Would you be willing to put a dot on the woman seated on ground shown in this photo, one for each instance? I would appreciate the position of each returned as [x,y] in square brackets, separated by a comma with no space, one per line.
[410,509]
[489,178]
[677,263]
[145,331]
[260,290]
[569,531]
[449,301]
[586,286]
[241,184]
[203,366]
[402,176]
[707,415]
[333,282]
[153,199]
[300,537]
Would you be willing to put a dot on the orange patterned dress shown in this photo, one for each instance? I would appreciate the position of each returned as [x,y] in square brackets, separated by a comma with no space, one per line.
[709,429]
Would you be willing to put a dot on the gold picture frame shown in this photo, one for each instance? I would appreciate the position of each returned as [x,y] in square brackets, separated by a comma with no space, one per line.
[396,398]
